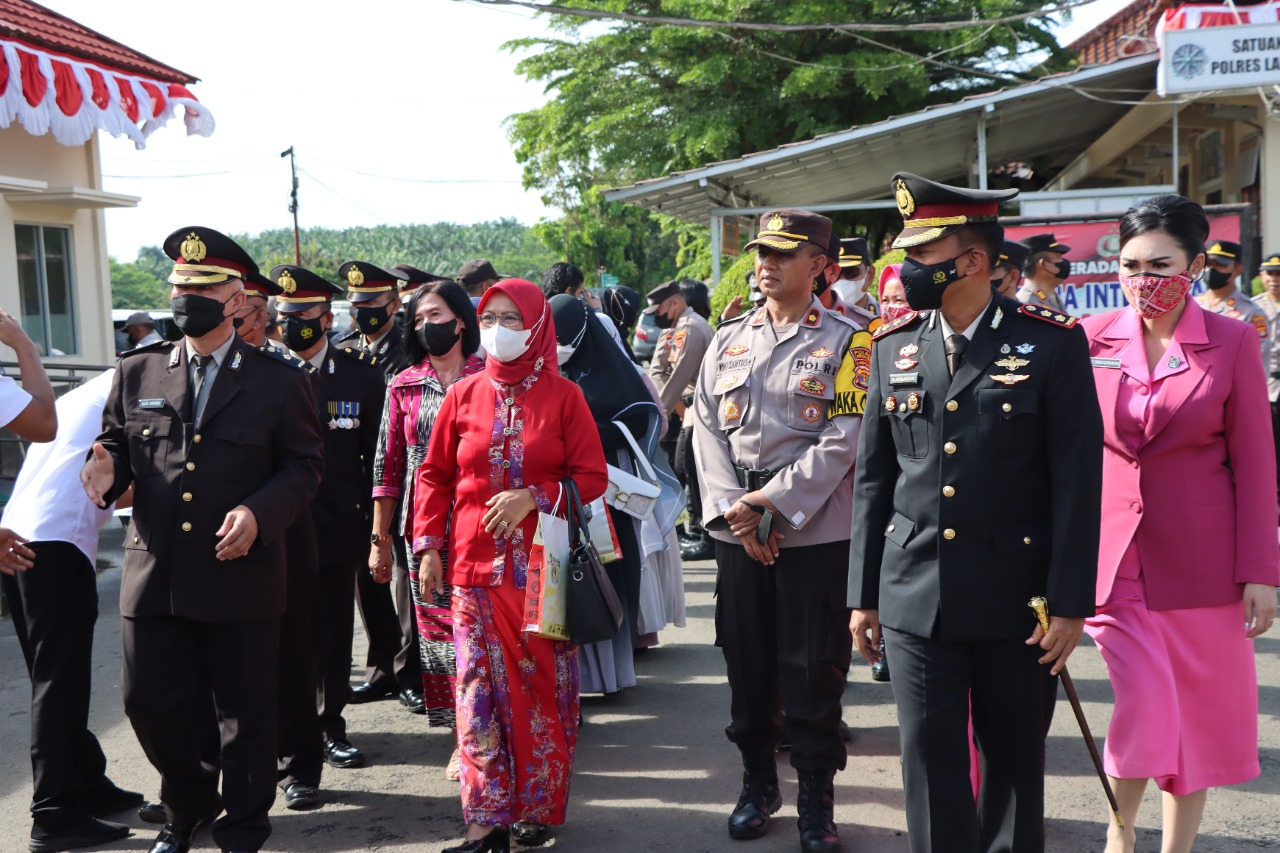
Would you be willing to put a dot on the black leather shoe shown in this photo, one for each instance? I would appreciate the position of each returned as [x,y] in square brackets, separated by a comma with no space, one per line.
[82,831]
[816,805]
[367,692]
[300,796]
[412,699]
[530,834]
[880,671]
[107,799]
[760,796]
[174,839]
[342,755]
[702,549]
[152,813]
[497,841]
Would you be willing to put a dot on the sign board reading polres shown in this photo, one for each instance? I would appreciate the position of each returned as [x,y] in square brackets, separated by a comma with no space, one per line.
[1219,58]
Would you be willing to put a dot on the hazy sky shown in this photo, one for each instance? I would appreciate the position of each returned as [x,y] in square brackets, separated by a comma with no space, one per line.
[394,107]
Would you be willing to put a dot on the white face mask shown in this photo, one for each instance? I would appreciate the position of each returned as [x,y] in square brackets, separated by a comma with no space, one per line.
[850,291]
[505,344]
[564,353]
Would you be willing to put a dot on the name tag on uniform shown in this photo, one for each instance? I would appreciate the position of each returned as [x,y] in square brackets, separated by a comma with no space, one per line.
[152,404]
[1105,362]
[904,378]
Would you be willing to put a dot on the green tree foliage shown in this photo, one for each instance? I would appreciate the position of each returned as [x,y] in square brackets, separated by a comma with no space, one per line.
[733,282]
[137,287]
[631,101]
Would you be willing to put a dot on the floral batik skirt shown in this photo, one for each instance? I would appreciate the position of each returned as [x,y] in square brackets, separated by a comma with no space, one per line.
[435,635]
[517,711]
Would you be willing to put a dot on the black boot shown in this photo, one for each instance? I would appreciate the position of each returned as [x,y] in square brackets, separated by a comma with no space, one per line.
[760,796]
[880,671]
[816,804]
[698,545]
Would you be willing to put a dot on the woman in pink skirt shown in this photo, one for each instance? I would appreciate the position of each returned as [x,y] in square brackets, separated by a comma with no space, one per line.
[1189,561]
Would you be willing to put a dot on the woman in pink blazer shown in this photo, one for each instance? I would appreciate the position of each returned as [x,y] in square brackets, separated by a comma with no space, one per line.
[1189,561]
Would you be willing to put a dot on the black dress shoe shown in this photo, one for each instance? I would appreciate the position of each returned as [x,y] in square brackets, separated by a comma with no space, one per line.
[412,699]
[152,813]
[880,670]
[367,692]
[82,831]
[107,799]
[342,755]
[298,795]
[530,834]
[497,841]
[174,839]
[702,549]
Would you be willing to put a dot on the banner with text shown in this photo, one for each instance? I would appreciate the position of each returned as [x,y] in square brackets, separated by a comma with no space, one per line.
[1218,58]
[1094,284]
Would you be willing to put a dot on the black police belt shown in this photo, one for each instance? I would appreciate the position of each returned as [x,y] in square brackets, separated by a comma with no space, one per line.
[754,479]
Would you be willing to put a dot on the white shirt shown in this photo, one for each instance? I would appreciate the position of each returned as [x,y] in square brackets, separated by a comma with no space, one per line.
[48,502]
[12,400]
[317,360]
[947,331]
[152,337]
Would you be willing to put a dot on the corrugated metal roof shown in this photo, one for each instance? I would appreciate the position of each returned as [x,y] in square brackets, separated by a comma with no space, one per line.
[45,28]
[1046,116]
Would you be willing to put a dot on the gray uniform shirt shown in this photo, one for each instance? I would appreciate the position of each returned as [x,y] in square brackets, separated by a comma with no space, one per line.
[1271,308]
[1240,307]
[676,359]
[1031,293]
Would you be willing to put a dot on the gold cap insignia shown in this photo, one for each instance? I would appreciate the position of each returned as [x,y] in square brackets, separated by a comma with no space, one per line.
[1216,247]
[354,277]
[193,248]
[286,282]
[775,223]
[1274,259]
[906,201]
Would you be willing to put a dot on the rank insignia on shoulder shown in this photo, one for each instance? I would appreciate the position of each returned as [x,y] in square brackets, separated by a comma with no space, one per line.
[1066,321]
[811,319]
[905,320]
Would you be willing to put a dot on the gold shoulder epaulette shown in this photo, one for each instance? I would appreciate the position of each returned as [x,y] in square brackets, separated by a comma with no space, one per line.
[1048,315]
[905,320]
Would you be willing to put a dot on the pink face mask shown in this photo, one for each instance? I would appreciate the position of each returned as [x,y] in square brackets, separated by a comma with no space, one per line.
[889,313]
[1154,295]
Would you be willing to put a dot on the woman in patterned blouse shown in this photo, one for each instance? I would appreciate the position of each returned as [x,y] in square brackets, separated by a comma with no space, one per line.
[441,350]
[503,442]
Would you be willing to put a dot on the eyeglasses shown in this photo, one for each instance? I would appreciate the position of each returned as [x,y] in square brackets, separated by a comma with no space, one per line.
[510,320]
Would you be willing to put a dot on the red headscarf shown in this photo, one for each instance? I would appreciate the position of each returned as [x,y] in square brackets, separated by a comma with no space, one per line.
[537,318]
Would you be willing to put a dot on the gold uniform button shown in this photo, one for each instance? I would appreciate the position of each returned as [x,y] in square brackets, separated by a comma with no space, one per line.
[146,431]
[949,447]
[952,405]
[949,491]
[1008,407]
[186,496]
[191,466]
[196,438]
[948,534]
[1026,540]
[186,527]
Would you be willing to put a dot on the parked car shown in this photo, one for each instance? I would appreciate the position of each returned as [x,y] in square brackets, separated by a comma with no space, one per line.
[164,325]
[646,337]
[343,320]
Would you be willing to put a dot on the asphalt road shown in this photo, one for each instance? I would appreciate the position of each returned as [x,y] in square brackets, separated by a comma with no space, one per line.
[654,771]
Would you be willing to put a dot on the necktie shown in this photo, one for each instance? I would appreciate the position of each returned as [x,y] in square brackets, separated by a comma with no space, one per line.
[955,347]
[201,363]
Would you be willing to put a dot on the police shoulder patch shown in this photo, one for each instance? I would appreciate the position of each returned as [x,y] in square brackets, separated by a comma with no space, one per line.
[852,378]
[905,320]
[277,354]
[1048,315]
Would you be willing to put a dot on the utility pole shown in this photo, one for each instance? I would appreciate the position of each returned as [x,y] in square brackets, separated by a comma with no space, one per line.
[293,206]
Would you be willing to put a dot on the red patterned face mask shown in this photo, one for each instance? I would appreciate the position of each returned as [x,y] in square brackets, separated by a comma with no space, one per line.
[1154,295]
[889,313]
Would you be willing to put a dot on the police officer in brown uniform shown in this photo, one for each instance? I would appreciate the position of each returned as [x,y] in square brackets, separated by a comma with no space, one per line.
[349,398]
[222,445]
[975,402]
[776,421]
[674,370]
[394,662]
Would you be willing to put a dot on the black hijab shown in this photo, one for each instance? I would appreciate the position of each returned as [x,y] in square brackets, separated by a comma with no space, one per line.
[609,381]
[621,304]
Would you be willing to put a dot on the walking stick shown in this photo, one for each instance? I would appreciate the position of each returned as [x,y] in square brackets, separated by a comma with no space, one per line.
[1041,607]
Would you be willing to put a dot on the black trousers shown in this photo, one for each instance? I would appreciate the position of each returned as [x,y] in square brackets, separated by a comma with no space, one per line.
[390,623]
[668,443]
[784,631]
[55,607]
[1013,698]
[300,744]
[335,626]
[686,468]
[168,661]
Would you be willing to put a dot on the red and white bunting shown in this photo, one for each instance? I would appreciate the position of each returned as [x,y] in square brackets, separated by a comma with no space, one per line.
[71,98]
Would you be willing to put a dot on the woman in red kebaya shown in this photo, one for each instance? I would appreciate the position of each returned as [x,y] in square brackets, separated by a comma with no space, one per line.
[503,442]
[1188,563]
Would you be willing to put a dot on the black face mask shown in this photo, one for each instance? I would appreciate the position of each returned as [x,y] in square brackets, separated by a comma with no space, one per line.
[371,321]
[1062,269]
[438,338]
[299,334]
[924,283]
[197,316]
[996,282]
[662,321]
[1217,279]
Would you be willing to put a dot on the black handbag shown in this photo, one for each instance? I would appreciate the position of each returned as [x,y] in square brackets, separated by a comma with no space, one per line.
[593,610]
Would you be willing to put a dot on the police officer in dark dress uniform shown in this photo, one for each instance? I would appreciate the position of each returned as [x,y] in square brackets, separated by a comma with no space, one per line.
[975,401]
[394,662]
[222,445]
[349,397]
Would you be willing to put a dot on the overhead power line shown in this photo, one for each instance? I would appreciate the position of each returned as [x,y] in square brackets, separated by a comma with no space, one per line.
[867,26]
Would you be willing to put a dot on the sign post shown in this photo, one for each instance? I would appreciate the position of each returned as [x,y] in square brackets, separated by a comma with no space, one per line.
[1214,59]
